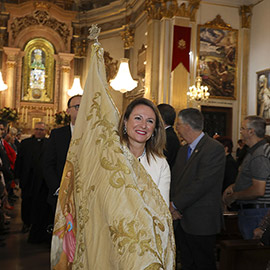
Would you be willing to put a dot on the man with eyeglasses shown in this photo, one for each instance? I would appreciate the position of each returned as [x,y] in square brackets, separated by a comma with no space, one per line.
[251,191]
[56,153]
[35,211]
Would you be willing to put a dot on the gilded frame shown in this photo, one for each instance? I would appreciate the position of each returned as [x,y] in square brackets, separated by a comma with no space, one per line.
[263,94]
[217,45]
[47,49]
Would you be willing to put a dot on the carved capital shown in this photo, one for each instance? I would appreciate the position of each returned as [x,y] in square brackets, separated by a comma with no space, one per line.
[65,69]
[153,9]
[246,14]
[157,9]
[80,47]
[188,11]
[128,37]
[10,64]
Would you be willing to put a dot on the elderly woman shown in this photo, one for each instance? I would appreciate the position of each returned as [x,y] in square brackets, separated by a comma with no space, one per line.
[142,129]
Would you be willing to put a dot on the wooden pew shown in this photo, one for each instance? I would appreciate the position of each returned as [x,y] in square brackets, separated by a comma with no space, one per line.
[243,255]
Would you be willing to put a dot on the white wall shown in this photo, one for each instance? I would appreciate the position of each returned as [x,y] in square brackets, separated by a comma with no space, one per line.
[259,49]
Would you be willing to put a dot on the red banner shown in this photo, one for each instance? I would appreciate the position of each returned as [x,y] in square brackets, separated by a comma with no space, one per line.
[181,46]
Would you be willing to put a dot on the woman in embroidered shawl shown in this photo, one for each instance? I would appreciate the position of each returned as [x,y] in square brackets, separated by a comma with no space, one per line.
[142,129]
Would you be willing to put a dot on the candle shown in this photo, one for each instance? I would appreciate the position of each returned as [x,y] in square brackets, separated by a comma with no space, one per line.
[46,116]
[22,114]
[50,116]
[26,112]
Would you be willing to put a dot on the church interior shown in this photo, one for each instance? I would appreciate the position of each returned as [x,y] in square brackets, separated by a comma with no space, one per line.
[171,45]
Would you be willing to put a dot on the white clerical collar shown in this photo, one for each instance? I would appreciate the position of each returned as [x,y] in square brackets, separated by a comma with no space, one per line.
[72,128]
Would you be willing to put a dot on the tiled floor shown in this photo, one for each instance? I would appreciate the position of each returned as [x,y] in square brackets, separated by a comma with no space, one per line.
[18,254]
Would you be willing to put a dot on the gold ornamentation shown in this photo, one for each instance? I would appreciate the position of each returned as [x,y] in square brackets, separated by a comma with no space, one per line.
[128,236]
[40,17]
[157,9]
[65,69]
[11,64]
[128,37]
[218,22]
[182,44]
[153,9]
[246,15]
[46,57]
[38,5]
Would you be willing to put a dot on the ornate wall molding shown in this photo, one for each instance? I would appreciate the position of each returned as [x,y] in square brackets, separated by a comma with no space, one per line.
[218,22]
[40,18]
[246,14]
[157,9]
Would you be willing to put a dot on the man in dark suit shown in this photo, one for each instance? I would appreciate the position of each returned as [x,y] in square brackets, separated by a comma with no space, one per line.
[56,153]
[172,142]
[197,178]
[35,211]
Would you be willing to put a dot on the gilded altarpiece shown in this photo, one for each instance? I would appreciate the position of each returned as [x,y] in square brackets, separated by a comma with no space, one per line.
[38,72]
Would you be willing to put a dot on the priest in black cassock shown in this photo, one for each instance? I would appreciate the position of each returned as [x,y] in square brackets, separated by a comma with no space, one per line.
[35,211]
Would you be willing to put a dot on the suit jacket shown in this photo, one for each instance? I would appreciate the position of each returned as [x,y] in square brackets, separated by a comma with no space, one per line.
[196,187]
[29,166]
[55,158]
[172,146]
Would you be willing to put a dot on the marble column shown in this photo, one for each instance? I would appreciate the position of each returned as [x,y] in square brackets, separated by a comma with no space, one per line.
[10,67]
[164,93]
[65,69]
[152,60]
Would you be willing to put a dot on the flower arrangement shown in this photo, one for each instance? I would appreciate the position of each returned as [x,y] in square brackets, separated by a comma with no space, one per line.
[62,118]
[9,115]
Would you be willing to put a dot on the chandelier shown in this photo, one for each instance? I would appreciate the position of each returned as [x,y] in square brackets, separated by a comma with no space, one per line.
[76,88]
[198,92]
[123,81]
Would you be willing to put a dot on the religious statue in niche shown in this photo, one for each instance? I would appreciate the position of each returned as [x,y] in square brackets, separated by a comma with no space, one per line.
[38,71]
[37,76]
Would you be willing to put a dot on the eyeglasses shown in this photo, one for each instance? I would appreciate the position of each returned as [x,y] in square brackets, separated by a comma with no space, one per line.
[39,129]
[243,128]
[75,106]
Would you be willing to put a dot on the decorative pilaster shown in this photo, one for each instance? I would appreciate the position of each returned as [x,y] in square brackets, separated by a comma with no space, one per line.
[244,49]
[10,65]
[164,94]
[65,59]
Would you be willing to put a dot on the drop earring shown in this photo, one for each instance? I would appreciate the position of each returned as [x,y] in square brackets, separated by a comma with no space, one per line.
[124,130]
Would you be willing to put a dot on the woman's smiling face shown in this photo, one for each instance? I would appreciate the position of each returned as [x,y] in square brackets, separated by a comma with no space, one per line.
[141,124]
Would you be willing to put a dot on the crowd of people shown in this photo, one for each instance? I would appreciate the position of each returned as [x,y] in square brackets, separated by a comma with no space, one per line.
[197,178]
[34,165]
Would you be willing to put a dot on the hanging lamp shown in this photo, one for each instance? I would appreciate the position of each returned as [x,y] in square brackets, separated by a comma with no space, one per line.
[76,88]
[123,81]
